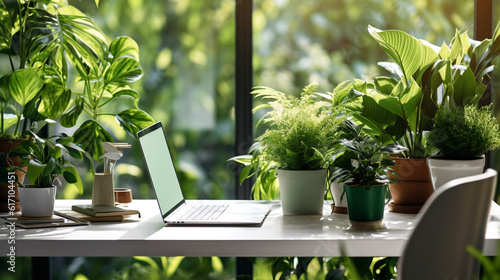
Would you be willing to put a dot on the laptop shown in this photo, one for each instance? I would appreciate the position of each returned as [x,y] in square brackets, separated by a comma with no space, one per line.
[174,208]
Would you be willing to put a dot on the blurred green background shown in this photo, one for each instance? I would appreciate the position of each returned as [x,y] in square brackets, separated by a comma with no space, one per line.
[187,52]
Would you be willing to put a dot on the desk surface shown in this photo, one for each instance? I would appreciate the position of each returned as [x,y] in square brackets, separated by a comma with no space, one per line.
[278,236]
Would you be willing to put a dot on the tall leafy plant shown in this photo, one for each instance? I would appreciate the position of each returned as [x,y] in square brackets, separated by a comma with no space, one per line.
[400,109]
[109,81]
[42,36]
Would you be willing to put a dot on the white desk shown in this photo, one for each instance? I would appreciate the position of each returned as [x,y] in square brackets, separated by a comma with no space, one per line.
[278,236]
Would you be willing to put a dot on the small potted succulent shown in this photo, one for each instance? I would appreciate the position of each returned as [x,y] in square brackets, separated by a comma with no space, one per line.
[363,166]
[301,140]
[461,136]
[47,160]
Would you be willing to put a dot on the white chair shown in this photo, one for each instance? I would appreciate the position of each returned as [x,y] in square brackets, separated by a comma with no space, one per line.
[454,217]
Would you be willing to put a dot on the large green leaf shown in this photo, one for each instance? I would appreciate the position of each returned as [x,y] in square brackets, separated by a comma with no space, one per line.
[444,52]
[390,103]
[72,177]
[429,54]
[123,71]
[35,169]
[460,45]
[69,118]
[54,101]
[385,84]
[403,48]
[464,88]
[124,47]
[24,84]
[410,102]
[411,98]
[90,135]
[84,43]
[133,120]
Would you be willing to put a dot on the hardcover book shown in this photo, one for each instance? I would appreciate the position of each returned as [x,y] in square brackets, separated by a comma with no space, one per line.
[104,210]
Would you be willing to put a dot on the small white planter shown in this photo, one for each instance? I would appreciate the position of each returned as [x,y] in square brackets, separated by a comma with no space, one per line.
[302,191]
[37,202]
[445,170]
[339,202]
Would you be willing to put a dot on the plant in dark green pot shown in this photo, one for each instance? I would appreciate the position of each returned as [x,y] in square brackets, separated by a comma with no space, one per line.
[461,136]
[47,160]
[363,166]
[301,140]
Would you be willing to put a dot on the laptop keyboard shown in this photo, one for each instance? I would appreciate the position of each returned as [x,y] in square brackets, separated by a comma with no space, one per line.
[204,212]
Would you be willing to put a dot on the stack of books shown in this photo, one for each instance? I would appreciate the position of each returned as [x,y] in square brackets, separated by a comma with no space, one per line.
[100,213]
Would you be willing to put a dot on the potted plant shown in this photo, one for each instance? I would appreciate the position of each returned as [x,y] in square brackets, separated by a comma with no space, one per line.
[47,160]
[401,109]
[461,135]
[39,38]
[301,139]
[47,38]
[363,167]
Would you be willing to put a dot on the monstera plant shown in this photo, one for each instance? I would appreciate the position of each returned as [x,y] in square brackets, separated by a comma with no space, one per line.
[39,39]
[42,40]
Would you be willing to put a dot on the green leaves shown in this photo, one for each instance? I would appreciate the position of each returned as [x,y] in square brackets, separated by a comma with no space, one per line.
[69,118]
[54,101]
[403,48]
[83,42]
[90,135]
[133,120]
[24,84]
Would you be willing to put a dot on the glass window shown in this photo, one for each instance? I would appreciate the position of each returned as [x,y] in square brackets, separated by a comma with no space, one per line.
[187,57]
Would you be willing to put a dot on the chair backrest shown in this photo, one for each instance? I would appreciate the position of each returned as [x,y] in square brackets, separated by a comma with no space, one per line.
[454,217]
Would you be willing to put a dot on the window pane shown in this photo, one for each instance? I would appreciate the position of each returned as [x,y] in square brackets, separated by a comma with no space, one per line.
[187,55]
[297,42]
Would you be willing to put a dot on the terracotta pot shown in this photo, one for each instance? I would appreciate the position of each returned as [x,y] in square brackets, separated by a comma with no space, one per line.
[414,185]
[5,187]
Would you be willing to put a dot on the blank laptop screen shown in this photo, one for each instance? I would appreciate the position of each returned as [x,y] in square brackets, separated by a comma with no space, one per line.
[161,168]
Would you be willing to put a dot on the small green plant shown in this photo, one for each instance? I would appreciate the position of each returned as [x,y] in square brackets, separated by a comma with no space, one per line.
[363,160]
[266,184]
[303,132]
[47,160]
[464,133]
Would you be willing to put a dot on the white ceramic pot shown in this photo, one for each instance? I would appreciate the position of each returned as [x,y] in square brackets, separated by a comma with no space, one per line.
[339,202]
[37,202]
[445,170]
[302,191]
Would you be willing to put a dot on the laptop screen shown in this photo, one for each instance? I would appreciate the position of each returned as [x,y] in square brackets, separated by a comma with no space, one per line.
[161,168]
